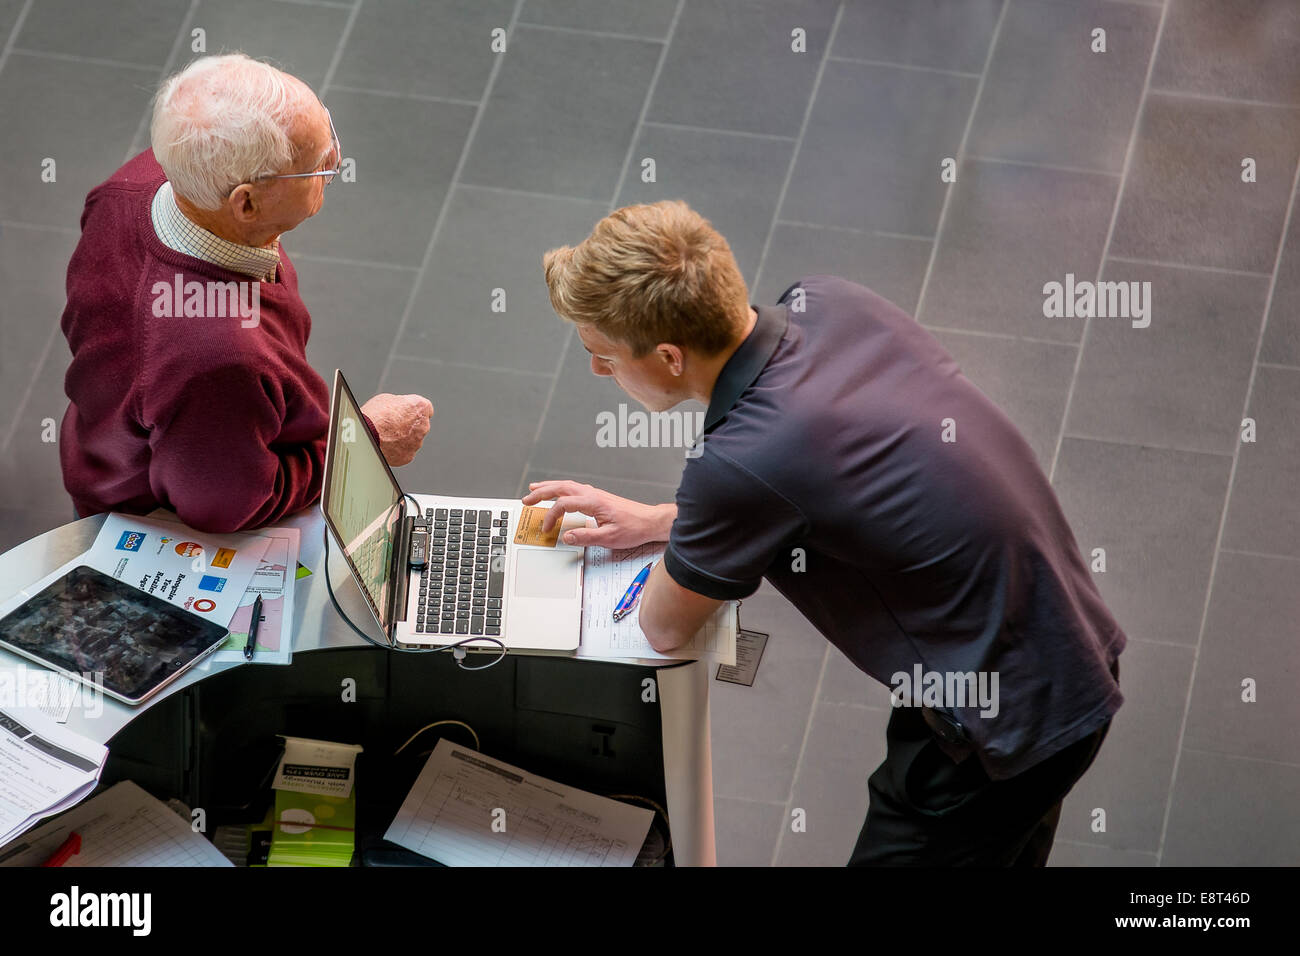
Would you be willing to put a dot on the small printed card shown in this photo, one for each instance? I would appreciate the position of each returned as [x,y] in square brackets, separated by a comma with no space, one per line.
[530,530]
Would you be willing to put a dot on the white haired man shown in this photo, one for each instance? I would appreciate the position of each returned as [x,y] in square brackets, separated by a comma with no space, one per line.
[189,386]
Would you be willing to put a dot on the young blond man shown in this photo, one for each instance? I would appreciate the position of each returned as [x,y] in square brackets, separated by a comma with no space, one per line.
[848,461]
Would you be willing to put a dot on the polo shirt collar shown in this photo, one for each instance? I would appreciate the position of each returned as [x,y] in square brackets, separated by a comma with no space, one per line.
[747,361]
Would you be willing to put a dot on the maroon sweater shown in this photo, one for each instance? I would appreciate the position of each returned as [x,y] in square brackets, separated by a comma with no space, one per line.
[225,425]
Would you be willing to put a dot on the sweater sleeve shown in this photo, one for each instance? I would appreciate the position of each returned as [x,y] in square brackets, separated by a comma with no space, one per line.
[215,455]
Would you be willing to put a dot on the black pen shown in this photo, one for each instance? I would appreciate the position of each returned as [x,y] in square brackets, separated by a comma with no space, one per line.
[253,623]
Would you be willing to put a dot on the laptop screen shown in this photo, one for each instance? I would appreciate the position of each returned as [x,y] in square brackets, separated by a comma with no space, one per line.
[361,501]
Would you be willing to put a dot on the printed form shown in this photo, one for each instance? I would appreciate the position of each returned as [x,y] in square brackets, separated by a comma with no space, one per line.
[44,768]
[605,579]
[123,826]
[467,809]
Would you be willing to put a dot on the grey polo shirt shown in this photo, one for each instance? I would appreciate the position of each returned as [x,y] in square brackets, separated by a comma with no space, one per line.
[824,469]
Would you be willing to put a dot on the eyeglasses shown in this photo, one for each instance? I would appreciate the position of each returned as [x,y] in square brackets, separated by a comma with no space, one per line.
[329,174]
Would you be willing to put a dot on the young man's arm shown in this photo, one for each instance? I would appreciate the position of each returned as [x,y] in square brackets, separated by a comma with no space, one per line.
[671,614]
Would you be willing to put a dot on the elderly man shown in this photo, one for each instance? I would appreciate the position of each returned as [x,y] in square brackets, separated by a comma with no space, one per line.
[189,386]
[848,462]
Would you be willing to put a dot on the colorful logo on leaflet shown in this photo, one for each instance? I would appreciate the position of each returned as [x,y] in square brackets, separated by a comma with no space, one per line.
[203,604]
[210,582]
[189,549]
[130,541]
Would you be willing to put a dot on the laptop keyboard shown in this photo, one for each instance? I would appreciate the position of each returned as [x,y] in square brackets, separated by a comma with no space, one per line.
[462,586]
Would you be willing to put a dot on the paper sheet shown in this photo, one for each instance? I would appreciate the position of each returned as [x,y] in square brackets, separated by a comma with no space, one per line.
[123,826]
[450,813]
[44,768]
[206,574]
[607,576]
[273,581]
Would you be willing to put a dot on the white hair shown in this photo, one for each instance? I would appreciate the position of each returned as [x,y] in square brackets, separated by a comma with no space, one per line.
[222,121]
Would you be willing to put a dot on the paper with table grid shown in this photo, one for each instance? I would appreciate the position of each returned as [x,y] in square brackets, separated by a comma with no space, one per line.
[467,809]
[606,576]
[123,826]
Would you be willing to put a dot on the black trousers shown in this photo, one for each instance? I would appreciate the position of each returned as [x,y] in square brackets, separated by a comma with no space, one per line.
[926,810]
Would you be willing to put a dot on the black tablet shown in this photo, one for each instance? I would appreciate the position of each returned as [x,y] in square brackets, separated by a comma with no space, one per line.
[108,634]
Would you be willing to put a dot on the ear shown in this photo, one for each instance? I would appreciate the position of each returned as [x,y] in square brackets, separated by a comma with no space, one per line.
[241,203]
[673,357]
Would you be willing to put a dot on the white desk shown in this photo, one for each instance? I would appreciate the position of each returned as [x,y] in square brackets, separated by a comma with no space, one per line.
[683,689]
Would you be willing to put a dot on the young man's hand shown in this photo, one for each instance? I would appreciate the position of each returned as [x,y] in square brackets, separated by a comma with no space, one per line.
[620,523]
[402,422]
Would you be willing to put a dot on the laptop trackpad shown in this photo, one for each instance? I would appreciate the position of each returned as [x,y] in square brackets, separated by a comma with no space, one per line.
[546,574]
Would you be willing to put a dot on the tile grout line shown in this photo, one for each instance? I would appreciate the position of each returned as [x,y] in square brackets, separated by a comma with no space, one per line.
[1058,167]
[476,367]
[447,199]
[660,124]
[345,261]
[758,273]
[613,204]
[339,47]
[168,64]
[1261,554]
[1231,756]
[1212,98]
[958,158]
[776,851]
[803,749]
[1166,264]
[1110,233]
[39,227]
[394,94]
[865,61]
[1004,336]
[14,30]
[78,58]
[1223,516]
[798,148]
[509,191]
[1074,436]
[601,34]
[130,149]
[859,232]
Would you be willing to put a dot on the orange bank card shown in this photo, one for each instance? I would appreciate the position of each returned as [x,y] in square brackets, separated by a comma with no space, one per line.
[529,530]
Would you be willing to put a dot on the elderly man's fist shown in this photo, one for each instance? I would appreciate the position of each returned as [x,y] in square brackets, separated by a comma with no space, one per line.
[402,422]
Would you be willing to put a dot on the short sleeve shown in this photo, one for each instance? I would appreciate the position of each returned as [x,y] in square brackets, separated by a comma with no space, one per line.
[730,527]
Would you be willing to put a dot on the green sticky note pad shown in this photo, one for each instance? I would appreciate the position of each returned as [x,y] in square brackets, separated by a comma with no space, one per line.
[302,572]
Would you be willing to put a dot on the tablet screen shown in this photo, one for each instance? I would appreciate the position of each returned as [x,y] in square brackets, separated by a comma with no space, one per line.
[88,622]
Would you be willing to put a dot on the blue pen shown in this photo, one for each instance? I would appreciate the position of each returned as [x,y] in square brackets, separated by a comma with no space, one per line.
[633,593]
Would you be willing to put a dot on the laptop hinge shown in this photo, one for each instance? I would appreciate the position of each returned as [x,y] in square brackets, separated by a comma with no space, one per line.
[401,570]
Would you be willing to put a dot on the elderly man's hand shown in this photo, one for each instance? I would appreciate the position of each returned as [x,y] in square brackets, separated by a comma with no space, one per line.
[402,422]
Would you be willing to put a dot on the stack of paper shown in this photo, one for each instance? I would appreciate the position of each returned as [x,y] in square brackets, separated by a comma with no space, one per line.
[44,768]
[315,804]
[313,830]
[123,826]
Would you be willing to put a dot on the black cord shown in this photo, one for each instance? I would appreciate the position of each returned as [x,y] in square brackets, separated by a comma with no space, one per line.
[329,586]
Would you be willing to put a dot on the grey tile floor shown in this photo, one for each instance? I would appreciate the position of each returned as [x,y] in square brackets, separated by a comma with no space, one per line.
[1117,165]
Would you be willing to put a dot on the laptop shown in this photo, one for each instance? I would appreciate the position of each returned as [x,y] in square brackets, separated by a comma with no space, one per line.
[452,571]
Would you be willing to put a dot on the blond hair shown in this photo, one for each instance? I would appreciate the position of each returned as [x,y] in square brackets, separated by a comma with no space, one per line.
[649,274]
